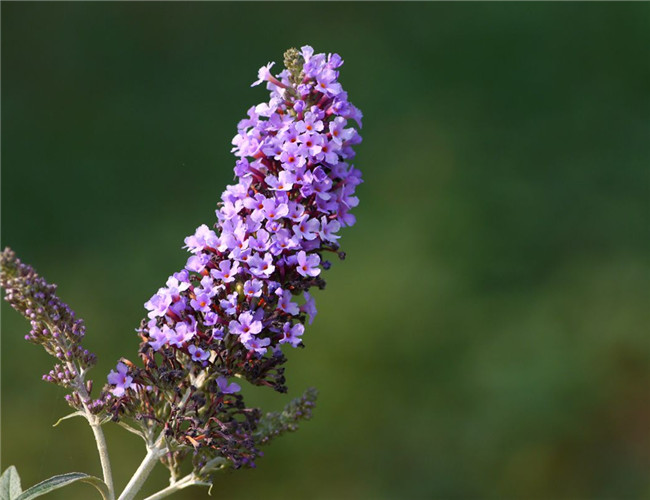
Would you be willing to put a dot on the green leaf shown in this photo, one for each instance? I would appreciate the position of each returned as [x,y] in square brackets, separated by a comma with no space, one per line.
[10,484]
[74,414]
[131,429]
[56,482]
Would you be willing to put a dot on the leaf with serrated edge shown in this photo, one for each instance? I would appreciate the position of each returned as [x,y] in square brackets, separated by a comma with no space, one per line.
[10,484]
[56,482]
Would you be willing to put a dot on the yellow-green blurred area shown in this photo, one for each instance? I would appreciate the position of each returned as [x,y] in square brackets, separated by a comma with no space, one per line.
[487,336]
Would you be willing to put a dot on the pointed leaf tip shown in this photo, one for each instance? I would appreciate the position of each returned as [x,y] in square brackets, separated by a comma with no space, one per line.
[10,488]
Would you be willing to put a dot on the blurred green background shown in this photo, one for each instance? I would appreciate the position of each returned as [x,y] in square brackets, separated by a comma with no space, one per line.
[487,336]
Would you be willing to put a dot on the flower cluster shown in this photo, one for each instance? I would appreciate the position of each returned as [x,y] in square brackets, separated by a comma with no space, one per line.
[243,294]
[53,325]
[244,291]
[240,288]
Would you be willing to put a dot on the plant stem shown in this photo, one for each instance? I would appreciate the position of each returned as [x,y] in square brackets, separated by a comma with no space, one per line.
[188,480]
[103,457]
[154,452]
[150,460]
[93,421]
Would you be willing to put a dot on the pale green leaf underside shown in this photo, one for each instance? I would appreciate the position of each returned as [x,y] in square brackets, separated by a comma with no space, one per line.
[57,482]
[10,484]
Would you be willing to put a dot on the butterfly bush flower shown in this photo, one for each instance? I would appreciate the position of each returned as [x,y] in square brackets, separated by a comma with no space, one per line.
[120,379]
[225,387]
[287,208]
[244,293]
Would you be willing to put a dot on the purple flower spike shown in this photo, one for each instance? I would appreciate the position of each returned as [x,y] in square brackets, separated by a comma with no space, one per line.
[235,305]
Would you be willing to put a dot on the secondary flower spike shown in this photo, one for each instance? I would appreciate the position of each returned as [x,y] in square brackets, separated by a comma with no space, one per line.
[54,325]
[244,292]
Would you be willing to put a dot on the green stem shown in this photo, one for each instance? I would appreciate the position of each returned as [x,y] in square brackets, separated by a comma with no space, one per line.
[155,451]
[188,480]
[150,460]
[103,458]
[96,427]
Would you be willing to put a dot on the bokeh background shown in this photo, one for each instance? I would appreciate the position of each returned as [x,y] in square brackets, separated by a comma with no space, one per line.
[487,336]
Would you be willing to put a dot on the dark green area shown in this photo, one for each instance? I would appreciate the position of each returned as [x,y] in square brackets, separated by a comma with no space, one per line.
[487,336]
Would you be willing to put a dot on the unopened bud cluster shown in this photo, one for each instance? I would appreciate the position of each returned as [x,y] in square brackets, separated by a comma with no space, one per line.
[275,424]
[53,325]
